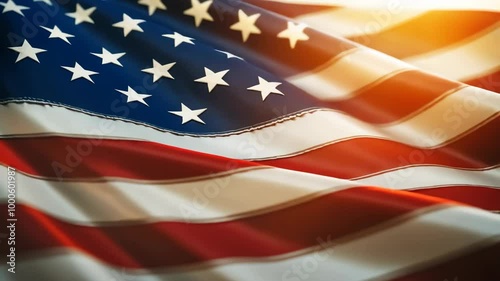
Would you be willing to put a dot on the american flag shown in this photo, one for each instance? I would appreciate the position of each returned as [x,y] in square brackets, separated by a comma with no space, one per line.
[249,140]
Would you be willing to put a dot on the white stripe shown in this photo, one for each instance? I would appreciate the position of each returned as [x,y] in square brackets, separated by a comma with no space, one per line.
[463,61]
[481,5]
[421,240]
[339,78]
[213,199]
[208,199]
[355,22]
[430,176]
[450,117]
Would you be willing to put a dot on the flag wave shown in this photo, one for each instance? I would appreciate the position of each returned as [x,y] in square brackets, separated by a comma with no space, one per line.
[250,140]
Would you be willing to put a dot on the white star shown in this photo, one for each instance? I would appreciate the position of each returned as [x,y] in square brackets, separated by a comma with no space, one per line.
[246,24]
[11,6]
[266,88]
[213,79]
[132,95]
[80,72]
[229,55]
[27,51]
[159,70]
[294,33]
[153,5]
[108,57]
[128,24]
[179,38]
[187,114]
[81,14]
[57,33]
[199,11]
[48,2]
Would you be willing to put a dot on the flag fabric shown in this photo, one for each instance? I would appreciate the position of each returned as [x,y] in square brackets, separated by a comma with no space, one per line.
[457,41]
[249,140]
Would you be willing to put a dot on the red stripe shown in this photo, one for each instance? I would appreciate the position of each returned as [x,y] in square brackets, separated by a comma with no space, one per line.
[489,82]
[363,156]
[65,157]
[396,97]
[176,243]
[480,265]
[62,157]
[481,197]
[428,32]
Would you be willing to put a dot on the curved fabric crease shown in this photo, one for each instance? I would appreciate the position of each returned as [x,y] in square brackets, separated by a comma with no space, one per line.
[250,140]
